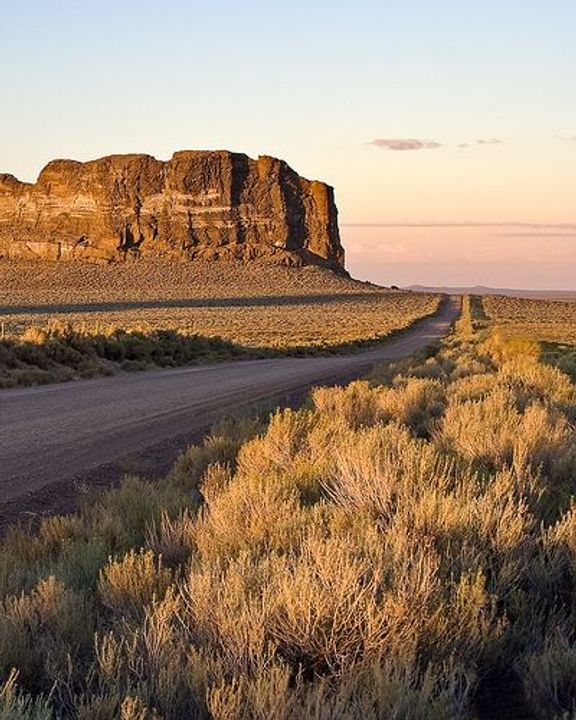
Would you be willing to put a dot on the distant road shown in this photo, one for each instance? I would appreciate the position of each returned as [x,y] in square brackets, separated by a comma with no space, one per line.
[83,430]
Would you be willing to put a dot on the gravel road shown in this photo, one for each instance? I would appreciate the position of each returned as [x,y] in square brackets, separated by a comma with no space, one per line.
[79,430]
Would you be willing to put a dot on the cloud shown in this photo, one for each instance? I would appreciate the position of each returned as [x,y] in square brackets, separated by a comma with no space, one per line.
[569,139]
[542,227]
[415,144]
[542,234]
[481,141]
[404,144]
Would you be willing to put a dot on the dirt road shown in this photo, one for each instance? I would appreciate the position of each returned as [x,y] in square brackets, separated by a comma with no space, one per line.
[80,430]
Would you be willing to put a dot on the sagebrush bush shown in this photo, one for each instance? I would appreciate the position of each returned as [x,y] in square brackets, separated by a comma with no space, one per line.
[41,629]
[356,403]
[416,403]
[550,680]
[129,584]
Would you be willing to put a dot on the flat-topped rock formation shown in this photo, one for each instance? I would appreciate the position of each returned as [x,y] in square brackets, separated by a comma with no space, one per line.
[198,204]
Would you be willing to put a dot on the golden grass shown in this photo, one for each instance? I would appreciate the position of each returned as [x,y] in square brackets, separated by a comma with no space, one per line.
[543,327]
[542,320]
[254,305]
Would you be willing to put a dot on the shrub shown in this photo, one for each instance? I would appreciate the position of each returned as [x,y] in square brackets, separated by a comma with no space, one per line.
[550,680]
[122,516]
[374,467]
[40,629]
[417,403]
[494,431]
[285,437]
[130,583]
[356,404]
[15,705]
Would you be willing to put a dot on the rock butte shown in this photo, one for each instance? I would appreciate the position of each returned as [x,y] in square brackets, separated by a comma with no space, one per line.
[198,204]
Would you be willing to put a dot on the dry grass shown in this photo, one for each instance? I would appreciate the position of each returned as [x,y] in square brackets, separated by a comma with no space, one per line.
[254,305]
[378,553]
[549,326]
[65,321]
[542,320]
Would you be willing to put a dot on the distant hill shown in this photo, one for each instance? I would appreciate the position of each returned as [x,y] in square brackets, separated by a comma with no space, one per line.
[509,292]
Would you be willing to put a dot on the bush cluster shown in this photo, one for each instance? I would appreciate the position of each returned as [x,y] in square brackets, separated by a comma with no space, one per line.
[60,352]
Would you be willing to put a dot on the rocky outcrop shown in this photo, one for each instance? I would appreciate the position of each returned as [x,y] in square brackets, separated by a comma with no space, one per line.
[199,204]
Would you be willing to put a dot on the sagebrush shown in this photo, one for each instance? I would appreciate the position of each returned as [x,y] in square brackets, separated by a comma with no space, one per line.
[381,552]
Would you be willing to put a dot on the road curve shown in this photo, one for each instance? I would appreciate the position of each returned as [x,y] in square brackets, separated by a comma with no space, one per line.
[59,432]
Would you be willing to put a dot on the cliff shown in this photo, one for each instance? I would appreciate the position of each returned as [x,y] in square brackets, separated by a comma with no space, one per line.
[199,204]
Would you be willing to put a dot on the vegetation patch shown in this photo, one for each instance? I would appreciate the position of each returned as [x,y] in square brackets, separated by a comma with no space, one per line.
[63,321]
[561,355]
[382,552]
[59,353]
[543,327]
[542,320]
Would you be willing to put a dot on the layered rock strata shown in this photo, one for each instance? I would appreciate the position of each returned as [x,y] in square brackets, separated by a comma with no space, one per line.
[198,204]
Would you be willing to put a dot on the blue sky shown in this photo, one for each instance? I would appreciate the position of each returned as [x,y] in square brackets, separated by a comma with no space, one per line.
[317,83]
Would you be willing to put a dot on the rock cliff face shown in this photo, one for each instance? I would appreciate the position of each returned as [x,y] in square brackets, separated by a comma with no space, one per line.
[199,204]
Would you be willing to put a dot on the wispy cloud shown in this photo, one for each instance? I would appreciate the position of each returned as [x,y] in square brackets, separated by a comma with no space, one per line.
[541,227]
[415,144]
[542,233]
[482,142]
[567,139]
[404,144]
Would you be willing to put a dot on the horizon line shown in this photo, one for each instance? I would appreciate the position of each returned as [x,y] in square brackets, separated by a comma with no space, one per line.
[566,291]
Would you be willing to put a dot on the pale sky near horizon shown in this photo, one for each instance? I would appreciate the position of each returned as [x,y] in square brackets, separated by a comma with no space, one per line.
[448,128]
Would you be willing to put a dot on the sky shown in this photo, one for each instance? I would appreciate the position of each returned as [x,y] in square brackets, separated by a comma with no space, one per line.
[447,128]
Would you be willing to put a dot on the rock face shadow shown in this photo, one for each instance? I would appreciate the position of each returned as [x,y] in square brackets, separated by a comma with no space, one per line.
[224,302]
